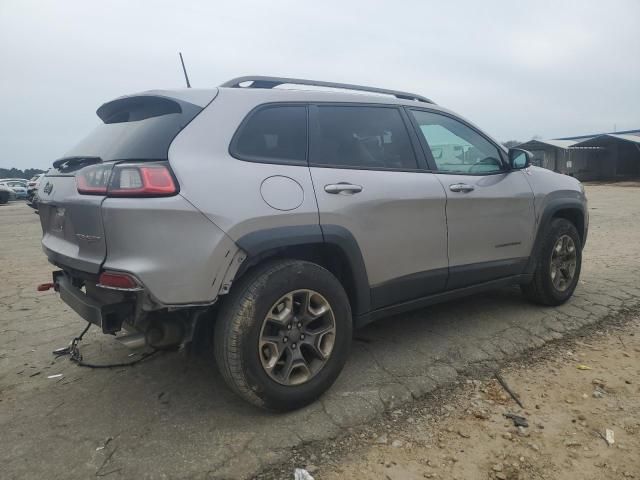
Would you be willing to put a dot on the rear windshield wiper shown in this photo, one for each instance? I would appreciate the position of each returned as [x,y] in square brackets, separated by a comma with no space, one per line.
[74,163]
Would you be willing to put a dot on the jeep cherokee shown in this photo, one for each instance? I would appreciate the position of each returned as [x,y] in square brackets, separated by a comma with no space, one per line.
[284,218]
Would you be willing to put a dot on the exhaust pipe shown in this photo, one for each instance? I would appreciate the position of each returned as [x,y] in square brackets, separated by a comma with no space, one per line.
[164,333]
[133,341]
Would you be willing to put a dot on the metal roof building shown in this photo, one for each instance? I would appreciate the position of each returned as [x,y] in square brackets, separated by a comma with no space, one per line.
[602,156]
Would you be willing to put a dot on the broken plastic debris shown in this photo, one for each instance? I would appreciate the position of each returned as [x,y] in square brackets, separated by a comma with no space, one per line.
[301,474]
[518,421]
[609,436]
[57,375]
[105,444]
[583,367]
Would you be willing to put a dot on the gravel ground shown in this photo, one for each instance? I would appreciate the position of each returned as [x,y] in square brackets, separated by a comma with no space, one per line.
[173,417]
[573,391]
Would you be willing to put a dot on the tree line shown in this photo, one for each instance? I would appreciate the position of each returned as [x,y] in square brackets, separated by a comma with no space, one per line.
[17,173]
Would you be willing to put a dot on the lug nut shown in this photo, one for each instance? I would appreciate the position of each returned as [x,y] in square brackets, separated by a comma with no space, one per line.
[302,337]
[289,327]
[293,345]
[299,324]
[285,339]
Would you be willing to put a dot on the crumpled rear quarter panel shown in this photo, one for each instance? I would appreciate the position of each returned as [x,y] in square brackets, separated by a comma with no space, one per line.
[179,255]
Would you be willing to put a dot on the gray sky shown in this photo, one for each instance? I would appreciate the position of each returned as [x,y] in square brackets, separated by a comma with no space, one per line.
[517,69]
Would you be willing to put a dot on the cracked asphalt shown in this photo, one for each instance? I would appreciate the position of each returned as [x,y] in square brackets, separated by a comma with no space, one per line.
[173,417]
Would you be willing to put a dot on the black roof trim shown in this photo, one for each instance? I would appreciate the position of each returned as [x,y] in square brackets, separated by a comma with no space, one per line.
[271,82]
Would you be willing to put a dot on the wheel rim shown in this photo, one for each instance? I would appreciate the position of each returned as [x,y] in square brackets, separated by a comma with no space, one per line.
[297,337]
[563,263]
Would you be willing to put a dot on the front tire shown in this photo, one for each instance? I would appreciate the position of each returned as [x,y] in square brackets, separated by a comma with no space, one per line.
[558,265]
[283,334]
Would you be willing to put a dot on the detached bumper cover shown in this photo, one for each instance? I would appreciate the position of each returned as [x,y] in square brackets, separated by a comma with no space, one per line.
[108,316]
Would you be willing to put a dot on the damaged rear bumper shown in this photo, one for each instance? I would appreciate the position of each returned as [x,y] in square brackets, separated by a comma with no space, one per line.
[108,315]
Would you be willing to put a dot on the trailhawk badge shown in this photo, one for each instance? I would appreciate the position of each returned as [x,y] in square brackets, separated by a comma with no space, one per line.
[48,188]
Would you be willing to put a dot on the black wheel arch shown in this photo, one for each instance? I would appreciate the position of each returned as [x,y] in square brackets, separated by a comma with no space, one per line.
[331,246]
[571,209]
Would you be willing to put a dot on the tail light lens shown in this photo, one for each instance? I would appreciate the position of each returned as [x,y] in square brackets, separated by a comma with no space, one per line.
[134,180]
[127,180]
[94,180]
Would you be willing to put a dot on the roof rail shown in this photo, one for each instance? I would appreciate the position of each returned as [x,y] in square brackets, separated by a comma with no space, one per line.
[271,82]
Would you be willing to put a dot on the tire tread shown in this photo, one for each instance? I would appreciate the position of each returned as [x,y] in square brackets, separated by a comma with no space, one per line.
[539,289]
[237,316]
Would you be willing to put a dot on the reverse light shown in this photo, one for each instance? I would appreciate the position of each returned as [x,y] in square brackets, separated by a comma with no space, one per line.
[134,180]
[118,281]
[127,180]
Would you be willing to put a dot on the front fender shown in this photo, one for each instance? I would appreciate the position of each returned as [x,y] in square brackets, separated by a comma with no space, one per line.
[558,204]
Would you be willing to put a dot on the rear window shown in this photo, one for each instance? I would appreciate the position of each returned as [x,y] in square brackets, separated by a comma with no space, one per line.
[273,134]
[362,137]
[136,128]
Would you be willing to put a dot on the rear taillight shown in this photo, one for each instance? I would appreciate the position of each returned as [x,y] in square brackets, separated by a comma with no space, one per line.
[127,180]
[134,180]
[118,281]
[93,180]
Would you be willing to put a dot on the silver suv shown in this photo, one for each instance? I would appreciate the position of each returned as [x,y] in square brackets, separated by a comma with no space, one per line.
[284,218]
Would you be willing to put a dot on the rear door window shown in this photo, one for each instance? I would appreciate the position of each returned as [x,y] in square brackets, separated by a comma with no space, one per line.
[366,137]
[273,134]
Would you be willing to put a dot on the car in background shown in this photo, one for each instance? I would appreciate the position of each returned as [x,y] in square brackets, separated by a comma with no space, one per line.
[19,187]
[21,180]
[32,185]
[6,194]
[32,190]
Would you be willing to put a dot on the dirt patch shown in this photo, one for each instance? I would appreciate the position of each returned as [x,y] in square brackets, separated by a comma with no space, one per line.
[573,392]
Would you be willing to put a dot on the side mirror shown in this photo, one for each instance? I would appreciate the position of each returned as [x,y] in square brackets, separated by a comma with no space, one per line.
[519,159]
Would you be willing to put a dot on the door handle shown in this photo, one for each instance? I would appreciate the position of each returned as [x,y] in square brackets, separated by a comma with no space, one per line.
[461,187]
[342,188]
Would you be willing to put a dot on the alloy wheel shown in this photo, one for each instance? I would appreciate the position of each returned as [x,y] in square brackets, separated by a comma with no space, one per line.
[563,263]
[297,337]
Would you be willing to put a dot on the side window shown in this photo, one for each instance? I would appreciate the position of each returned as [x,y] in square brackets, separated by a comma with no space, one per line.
[361,137]
[273,134]
[457,148]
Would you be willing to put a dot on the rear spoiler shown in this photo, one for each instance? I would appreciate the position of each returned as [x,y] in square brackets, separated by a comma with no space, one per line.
[138,127]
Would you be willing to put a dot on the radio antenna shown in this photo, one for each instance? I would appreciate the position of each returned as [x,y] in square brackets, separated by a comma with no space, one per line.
[186,77]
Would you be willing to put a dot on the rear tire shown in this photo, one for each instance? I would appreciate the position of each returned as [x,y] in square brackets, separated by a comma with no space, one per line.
[269,373]
[558,265]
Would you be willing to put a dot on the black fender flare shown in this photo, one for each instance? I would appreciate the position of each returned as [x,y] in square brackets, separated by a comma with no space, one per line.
[263,242]
[552,207]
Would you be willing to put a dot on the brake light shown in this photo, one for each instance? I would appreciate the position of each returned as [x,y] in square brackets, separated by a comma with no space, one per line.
[118,280]
[134,180]
[127,180]
[93,180]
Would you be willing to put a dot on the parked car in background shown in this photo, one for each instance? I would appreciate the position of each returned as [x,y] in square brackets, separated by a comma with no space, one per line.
[20,180]
[18,186]
[32,184]
[282,219]
[6,194]
[32,190]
